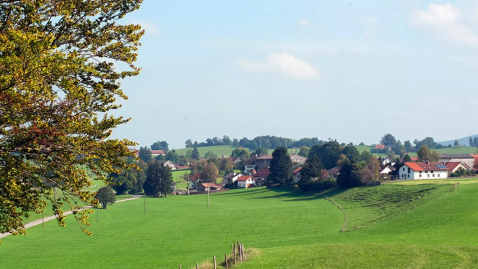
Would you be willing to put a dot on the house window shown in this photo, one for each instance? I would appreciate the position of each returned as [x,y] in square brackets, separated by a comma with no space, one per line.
[409,170]
[431,172]
[438,175]
[433,175]
[403,169]
[420,172]
[426,171]
[419,175]
[428,175]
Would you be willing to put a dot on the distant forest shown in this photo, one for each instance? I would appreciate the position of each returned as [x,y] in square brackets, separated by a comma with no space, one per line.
[268,142]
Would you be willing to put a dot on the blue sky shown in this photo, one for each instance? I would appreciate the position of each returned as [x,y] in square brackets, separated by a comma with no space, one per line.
[348,70]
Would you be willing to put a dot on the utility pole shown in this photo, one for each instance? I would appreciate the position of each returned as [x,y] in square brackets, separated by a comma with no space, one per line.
[188,184]
[97,213]
[145,203]
[208,197]
[42,220]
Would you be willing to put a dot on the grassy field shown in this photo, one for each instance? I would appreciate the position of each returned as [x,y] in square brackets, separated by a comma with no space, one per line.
[389,226]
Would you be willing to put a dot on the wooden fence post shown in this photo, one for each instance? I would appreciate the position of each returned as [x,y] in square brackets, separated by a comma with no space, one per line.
[214,261]
[180,266]
[197,266]
[244,251]
[225,260]
[234,252]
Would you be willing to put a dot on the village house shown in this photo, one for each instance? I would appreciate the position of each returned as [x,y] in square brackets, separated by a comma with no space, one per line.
[334,172]
[454,166]
[261,176]
[422,170]
[462,158]
[250,164]
[155,153]
[263,161]
[236,160]
[385,169]
[296,175]
[194,179]
[231,177]
[245,182]
[297,159]
[208,187]
[169,164]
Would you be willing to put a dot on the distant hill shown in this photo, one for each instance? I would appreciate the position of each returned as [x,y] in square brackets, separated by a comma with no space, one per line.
[465,141]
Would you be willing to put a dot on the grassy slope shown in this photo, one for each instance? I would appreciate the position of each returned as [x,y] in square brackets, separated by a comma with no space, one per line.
[438,233]
[176,230]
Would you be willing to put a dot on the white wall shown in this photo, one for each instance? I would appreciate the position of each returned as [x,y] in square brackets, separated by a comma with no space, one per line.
[404,174]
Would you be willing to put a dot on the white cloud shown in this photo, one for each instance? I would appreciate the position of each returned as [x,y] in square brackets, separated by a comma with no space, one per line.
[304,23]
[445,21]
[281,63]
[148,27]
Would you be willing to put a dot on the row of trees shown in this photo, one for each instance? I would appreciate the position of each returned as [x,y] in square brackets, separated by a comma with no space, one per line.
[474,141]
[215,141]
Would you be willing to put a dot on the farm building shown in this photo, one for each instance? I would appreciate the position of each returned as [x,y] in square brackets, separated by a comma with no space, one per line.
[422,170]
[245,182]
[263,161]
[334,172]
[385,169]
[194,179]
[208,187]
[155,153]
[462,158]
[261,176]
[454,166]
[231,177]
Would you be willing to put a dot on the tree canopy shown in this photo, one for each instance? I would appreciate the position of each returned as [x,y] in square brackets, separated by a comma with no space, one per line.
[106,196]
[280,167]
[160,145]
[58,87]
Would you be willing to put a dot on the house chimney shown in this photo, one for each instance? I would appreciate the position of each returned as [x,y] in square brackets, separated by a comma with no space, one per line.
[427,162]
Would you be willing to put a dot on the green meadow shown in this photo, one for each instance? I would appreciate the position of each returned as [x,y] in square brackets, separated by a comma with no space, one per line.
[388,226]
[224,150]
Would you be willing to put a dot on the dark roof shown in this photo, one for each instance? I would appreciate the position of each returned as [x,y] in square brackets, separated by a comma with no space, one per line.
[230,175]
[425,167]
[456,156]
[264,157]
[334,171]
[263,172]
[250,161]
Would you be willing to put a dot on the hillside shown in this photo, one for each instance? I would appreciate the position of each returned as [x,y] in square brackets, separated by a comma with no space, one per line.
[220,150]
[423,226]
[465,141]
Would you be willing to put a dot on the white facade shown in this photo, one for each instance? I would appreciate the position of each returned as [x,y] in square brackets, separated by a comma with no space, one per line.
[244,183]
[249,168]
[386,170]
[406,172]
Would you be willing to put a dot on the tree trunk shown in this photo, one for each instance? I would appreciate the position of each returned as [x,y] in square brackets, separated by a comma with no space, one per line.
[104,205]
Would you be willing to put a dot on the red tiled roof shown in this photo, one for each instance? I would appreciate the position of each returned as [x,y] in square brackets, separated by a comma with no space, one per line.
[210,185]
[195,177]
[263,172]
[334,171]
[244,178]
[414,159]
[297,170]
[380,146]
[450,165]
[157,152]
[425,167]
[264,157]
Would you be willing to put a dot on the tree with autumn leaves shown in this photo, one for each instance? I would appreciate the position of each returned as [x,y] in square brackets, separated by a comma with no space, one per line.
[58,87]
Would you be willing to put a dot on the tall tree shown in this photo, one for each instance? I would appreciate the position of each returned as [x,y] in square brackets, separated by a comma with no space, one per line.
[182,161]
[346,179]
[159,180]
[56,82]
[209,172]
[328,153]
[304,151]
[351,153]
[210,154]
[456,143]
[388,140]
[226,140]
[407,158]
[105,196]
[280,167]
[408,146]
[189,143]
[471,142]
[424,154]
[160,145]
[145,154]
[366,156]
[312,168]
[241,153]
[195,154]
[235,142]
[261,151]
[227,166]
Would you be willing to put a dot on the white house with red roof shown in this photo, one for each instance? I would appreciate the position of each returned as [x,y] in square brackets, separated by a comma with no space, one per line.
[454,166]
[245,182]
[422,170]
[194,179]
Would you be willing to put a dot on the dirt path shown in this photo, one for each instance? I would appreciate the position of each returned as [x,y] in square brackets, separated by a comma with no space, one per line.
[38,222]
